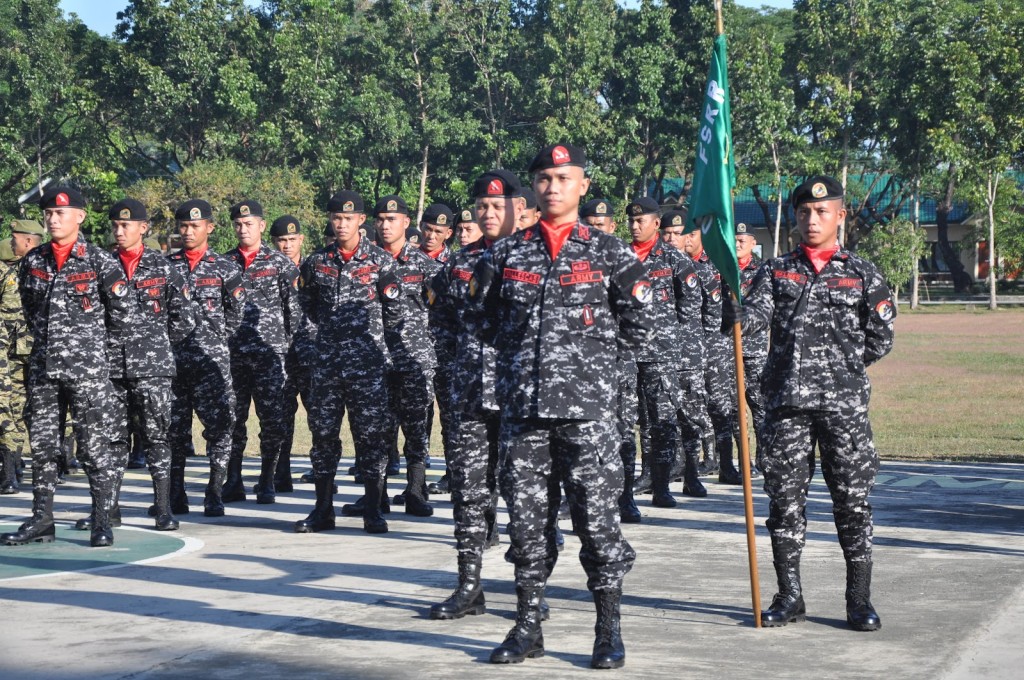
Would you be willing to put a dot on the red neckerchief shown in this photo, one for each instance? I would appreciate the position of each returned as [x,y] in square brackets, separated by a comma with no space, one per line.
[194,256]
[744,261]
[248,256]
[130,259]
[819,257]
[555,235]
[347,255]
[699,255]
[61,252]
[434,254]
[644,249]
[395,254]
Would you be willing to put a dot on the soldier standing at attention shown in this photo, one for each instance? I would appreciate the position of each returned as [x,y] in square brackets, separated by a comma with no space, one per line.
[830,315]
[70,290]
[203,379]
[286,234]
[411,376]
[8,457]
[25,235]
[557,301]
[159,316]
[755,344]
[476,418]
[270,315]
[350,290]
[466,228]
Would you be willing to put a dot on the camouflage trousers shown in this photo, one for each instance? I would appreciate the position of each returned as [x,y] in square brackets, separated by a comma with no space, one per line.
[258,377]
[535,455]
[848,464]
[442,382]
[473,478]
[98,418]
[15,437]
[626,417]
[753,369]
[297,377]
[203,385]
[410,397]
[720,381]
[694,421]
[365,395]
[149,401]
[658,385]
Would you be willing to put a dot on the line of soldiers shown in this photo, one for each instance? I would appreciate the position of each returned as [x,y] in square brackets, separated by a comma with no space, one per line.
[543,340]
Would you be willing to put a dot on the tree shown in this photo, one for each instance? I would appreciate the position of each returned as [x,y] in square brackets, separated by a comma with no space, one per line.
[894,248]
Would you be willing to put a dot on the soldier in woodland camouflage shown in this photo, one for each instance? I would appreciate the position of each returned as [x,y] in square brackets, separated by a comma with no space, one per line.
[350,290]
[69,291]
[8,461]
[411,377]
[556,301]
[270,315]
[159,314]
[830,315]
[203,379]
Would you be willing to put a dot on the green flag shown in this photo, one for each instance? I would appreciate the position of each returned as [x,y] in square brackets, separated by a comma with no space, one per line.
[714,173]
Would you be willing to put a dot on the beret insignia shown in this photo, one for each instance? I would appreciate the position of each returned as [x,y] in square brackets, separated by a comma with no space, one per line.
[62,199]
[126,214]
[560,155]
[195,213]
[819,190]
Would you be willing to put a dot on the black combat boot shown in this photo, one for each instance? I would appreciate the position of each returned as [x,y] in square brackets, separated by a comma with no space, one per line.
[525,640]
[264,489]
[85,524]
[373,516]
[468,598]
[322,516]
[709,466]
[628,512]
[179,501]
[283,473]
[642,484]
[103,488]
[162,501]
[493,532]
[213,503]
[660,496]
[859,613]
[358,509]
[609,652]
[727,472]
[394,464]
[9,478]
[440,486]
[692,486]
[233,490]
[38,529]
[415,497]
[788,604]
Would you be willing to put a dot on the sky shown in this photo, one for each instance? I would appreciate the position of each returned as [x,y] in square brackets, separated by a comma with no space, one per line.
[101,15]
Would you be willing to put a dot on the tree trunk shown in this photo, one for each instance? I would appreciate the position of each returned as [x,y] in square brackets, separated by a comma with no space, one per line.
[423,183]
[778,199]
[992,187]
[962,281]
[915,282]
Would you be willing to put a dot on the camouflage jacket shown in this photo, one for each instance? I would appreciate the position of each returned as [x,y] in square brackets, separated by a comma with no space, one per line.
[755,343]
[5,379]
[716,343]
[218,296]
[19,340]
[351,303]
[826,328]
[677,336]
[271,313]
[459,347]
[410,342]
[159,315]
[303,340]
[557,325]
[68,310]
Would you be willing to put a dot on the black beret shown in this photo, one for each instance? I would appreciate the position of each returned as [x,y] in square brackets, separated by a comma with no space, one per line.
[392,203]
[439,214]
[194,209]
[673,218]
[817,188]
[128,209]
[597,207]
[465,216]
[642,206]
[246,208]
[530,196]
[558,155]
[744,230]
[500,183]
[346,202]
[285,225]
[62,197]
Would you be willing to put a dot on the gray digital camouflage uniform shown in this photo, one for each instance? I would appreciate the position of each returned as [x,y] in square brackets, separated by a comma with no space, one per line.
[755,354]
[720,363]
[556,326]
[826,328]
[442,376]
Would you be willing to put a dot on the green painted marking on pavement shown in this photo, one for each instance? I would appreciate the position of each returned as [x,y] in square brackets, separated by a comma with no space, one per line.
[71,552]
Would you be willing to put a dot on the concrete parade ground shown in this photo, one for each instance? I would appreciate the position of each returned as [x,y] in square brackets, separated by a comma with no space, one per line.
[244,597]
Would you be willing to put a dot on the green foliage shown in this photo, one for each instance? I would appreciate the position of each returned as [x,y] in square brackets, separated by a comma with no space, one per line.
[894,249]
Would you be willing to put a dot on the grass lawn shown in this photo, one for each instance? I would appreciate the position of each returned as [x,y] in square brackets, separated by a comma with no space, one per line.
[952,389]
